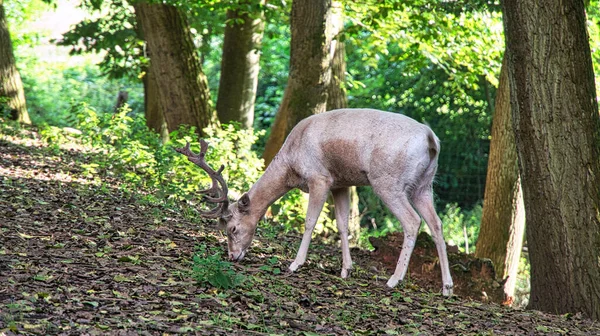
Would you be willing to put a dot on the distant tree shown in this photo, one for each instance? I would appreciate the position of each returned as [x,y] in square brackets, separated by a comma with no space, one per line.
[337,98]
[336,91]
[182,86]
[503,220]
[557,131]
[310,73]
[12,96]
[240,62]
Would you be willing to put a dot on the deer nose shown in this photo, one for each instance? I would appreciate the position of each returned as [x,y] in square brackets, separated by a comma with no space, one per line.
[231,257]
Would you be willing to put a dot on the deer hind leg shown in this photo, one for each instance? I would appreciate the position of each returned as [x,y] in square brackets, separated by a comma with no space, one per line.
[423,201]
[400,206]
[318,191]
[341,198]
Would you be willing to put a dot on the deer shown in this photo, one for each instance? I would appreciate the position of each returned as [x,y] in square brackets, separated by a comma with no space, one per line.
[328,153]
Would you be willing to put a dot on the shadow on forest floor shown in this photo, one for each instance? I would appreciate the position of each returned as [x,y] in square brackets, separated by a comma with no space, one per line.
[76,258]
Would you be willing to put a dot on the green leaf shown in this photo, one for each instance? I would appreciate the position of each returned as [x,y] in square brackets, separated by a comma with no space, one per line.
[542,328]
[121,278]
[93,304]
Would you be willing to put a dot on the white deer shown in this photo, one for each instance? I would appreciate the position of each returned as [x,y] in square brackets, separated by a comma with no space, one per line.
[333,151]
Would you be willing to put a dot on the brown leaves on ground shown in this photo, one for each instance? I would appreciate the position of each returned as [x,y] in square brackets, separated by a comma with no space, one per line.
[473,278]
[78,256]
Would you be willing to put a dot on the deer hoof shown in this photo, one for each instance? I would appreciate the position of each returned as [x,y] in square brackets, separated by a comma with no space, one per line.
[345,273]
[392,282]
[293,267]
[447,290]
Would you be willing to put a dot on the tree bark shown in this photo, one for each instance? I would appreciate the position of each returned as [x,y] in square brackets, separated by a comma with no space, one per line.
[182,86]
[155,119]
[503,221]
[310,73]
[557,125]
[12,96]
[336,91]
[153,111]
[240,64]
[336,99]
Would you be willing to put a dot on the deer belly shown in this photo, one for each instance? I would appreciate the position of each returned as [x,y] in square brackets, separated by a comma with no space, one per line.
[346,176]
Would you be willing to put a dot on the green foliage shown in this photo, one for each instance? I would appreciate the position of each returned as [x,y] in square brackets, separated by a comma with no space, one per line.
[4,110]
[113,34]
[461,227]
[210,268]
[20,14]
[291,210]
[52,88]
[453,35]
[523,286]
[274,64]
[229,146]
[123,146]
[455,223]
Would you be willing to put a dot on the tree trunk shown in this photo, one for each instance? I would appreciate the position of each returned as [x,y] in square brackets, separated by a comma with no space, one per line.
[240,64]
[336,99]
[155,119]
[555,117]
[503,221]
[336,91]
[182,86]
[12,96]
[153,111]
[306,91]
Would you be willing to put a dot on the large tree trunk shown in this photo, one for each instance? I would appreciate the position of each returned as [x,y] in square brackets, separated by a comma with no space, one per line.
[182,86]
[155,119]
[306,91]
[503,221]
[555,117]
[336,99]
[153,111]
[240,64]
[12,96]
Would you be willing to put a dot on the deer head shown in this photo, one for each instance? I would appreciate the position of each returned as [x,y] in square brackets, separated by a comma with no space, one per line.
[236,219]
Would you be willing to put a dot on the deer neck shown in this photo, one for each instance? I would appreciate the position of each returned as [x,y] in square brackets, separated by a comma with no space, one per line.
[270,187]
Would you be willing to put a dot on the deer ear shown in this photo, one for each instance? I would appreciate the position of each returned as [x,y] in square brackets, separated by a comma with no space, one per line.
[244,203]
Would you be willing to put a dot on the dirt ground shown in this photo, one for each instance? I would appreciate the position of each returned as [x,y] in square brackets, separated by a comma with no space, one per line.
[81,258]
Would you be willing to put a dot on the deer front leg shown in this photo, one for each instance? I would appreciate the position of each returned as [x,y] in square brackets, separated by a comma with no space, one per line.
[341,198]
[317,196]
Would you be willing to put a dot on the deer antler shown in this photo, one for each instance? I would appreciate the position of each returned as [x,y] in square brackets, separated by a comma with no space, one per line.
[215,176]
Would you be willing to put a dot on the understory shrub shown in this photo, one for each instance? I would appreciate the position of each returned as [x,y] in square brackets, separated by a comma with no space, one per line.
[461,227]
[123,146]
[210,268]
[52,87]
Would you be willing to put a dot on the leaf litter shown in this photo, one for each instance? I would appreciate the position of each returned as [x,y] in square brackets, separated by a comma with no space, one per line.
[79,258]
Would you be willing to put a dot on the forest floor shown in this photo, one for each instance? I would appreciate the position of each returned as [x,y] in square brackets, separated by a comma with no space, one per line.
[78,258]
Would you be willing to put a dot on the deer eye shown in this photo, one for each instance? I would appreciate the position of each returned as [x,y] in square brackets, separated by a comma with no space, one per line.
[233,229]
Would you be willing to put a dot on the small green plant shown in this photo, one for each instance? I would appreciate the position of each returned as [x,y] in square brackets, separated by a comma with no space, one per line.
[212,269]
[272,266]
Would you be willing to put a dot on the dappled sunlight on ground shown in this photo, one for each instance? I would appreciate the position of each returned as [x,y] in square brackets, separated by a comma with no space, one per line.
[78,258]
[28,162]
